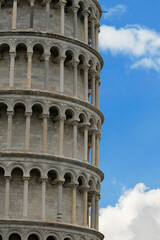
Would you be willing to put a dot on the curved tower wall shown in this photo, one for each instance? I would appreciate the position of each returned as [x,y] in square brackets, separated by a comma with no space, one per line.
[50,122]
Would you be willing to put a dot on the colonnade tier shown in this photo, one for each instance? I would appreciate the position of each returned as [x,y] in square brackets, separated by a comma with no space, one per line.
[24,230]
[66,192]
[77,19]
[50,126]
[54,65]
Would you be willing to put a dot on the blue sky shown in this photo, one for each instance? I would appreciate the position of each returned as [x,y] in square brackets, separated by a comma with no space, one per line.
[130,98]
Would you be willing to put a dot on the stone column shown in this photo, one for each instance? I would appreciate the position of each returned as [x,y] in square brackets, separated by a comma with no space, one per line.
[31,14]
[61,135]
[93,147]
[25,197]
[14,15]
[98,82]
[9,131]
[86,14]
[27,132]
[85,206]
[98,138]
[45,131]
[97,212]
[43,213]
[47,14]
[93,211]
[93,87]
[75,64]
[29,69]
[85,143]
[62,74]
[75,123]
[93,32]
[97,36]
[75,25]
[7,191]
[86,68]
[46,74]
[74,203]
[59,201]
[12,63]
[62,5]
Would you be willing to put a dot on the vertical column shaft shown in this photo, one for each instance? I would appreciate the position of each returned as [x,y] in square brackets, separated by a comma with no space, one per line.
[86,83]
[62,5]
[93,32]
[86,27]
[43,214]
[62,74]
[97,37]
[74,203]
[27,132]
[97,213]
[85,206]
[61,135]
[7,193]
[29,70]
[93,148]
[75,139]
[12,63]
[93,88]
[98,137]
[47,14]
[75,25]
[46,74]
[14,15]
[31,14]
[93,211]
[85,144]
[97,91]
[45,129]
[75,64]
[59,202]
[25,198]
[9,131]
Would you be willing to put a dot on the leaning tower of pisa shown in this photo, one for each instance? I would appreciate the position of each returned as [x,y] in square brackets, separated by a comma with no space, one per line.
[50,122]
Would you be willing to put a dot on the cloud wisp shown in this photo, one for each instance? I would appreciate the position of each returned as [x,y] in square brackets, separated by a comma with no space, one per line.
[117,10]
[135,216]
[142,45]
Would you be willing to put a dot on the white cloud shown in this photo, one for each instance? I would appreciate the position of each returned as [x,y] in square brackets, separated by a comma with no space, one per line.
[136,216]
[147,63]
[117,10]
[140,43]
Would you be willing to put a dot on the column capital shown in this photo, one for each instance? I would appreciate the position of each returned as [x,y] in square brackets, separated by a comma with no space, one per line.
[32,2]
[8,178]
[75,8]
[93,131]
[28,114]
[86,67]
[62,58]
[60,181]
[62,118]
[45,115]
[75,122]
[75,63]
[47,56]
[26,179]
[92,72]
[12,54]
[84,188]
[29,53]
[85,13]
[98,134]
[43,180]
[10,113]
[62,2]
